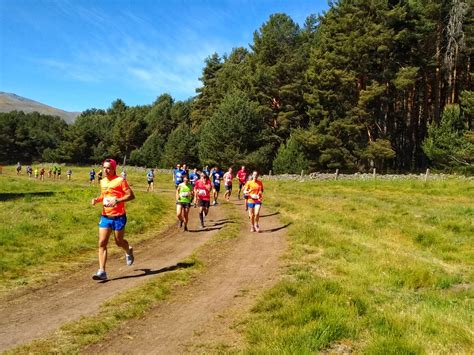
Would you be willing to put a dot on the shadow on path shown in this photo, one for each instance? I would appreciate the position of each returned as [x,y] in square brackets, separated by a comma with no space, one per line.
[205,229]
[269,215]
[148,272]
[274,229]
[224,222]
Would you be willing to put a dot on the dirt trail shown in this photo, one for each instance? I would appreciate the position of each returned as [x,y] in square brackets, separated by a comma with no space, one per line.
[30,315]
[199,317]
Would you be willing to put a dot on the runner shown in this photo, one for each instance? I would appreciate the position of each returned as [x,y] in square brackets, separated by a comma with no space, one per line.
[115,191]
[194,177]
[202,196]
[177,175]
[123,174]
[18,168]
[150,178]
[228,177]
[50,172]
[29,171]
[92,177]
[58,171]
[184,169]
[184,197]
[42,171]
[216,175]
[36,173]
[55,171]
[242,176]
[254,190]
[206,170]
[68,174]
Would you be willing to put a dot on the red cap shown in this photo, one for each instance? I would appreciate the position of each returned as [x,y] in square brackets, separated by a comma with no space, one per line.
[112,162]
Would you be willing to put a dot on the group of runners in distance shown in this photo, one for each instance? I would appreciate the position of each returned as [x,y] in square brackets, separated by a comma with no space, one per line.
[193,188]
[196,187]
[54,172]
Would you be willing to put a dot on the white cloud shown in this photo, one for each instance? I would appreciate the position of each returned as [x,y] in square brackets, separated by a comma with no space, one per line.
[128,50]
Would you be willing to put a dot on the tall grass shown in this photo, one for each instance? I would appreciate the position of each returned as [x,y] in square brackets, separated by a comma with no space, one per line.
[46,226]
[374,267]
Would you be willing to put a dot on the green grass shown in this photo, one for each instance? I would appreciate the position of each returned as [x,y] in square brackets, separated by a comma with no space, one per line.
[50,226]
[374,267]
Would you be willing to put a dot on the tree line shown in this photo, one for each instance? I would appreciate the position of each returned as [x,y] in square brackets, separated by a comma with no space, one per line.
[368,84]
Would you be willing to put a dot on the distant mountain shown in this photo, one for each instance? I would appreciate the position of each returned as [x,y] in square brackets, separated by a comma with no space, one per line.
[11,102]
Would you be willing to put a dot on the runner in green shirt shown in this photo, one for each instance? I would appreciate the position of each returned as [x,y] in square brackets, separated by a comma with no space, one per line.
[184,197]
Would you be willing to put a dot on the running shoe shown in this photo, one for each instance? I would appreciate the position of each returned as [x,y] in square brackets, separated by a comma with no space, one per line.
[252,229]
[180,224]
[100,275]
[257,228]
[129,258]
[185,227]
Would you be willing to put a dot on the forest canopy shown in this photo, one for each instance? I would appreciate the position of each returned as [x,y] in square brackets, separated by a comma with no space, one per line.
[367,84]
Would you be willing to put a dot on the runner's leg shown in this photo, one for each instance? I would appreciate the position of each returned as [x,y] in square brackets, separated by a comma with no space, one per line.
[104,234]
[186,217]
[252,218]
[178,212]
[257,217]
[120,241]
[201,215]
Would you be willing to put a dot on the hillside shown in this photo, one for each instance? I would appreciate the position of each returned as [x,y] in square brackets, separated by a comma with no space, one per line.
[11,102]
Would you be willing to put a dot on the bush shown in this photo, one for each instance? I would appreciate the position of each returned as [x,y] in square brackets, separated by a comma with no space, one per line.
[290,159]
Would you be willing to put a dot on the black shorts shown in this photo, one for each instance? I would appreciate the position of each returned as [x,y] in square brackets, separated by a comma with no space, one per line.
[241,184]
[217,188]
[184,204]
[202,203]
[150,182]
[228,187]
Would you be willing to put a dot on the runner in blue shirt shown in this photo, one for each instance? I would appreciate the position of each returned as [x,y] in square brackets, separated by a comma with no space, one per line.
[194,177]
[150,178]
[177,175]
[92,177]
[216,177]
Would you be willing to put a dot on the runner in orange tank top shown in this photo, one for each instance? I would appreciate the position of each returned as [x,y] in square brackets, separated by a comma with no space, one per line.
[115,191]
[254,190]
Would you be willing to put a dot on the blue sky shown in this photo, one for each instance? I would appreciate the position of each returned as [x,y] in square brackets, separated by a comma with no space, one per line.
[80,54]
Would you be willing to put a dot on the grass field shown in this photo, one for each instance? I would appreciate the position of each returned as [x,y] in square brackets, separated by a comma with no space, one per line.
[374,267]
[50,226]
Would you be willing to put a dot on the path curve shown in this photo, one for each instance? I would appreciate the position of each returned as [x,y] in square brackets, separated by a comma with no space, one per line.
[200,316]
[26,316]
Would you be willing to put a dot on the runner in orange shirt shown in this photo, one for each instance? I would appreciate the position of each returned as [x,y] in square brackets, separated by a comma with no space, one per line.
[254,190]
[115,191]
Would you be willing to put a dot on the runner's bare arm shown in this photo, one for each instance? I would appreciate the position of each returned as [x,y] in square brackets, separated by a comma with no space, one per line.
[128,196]
[98,199]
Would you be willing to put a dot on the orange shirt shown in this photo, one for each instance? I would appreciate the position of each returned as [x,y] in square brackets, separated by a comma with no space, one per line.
[255,191]
[112,189]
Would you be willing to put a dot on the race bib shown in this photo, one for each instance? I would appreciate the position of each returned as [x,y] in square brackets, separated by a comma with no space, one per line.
[202,192]
[107,200]
[184,194]
[255,197]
